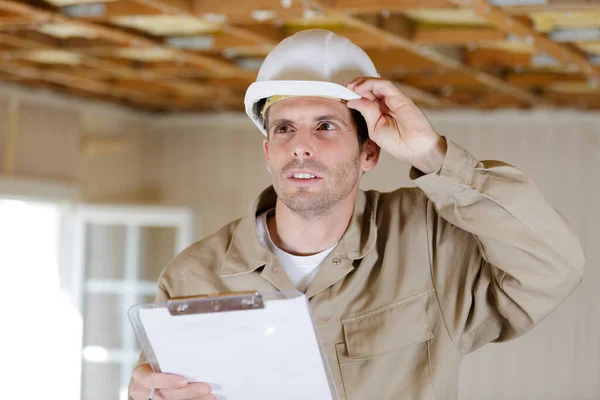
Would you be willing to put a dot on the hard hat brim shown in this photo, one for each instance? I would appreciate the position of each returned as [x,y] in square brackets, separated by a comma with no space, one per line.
[265,89]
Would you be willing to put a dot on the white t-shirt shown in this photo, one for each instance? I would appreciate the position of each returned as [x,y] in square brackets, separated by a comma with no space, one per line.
[301,269]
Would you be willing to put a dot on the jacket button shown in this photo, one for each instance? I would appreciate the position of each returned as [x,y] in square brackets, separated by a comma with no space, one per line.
[336,261]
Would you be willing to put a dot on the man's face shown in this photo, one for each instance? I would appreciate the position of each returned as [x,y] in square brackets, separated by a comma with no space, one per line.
[312,153]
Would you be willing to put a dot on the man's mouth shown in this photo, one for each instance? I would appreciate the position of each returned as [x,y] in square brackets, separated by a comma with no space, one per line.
[304,176]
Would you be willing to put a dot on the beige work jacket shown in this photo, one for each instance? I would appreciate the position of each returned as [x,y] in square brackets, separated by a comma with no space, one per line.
[474,254]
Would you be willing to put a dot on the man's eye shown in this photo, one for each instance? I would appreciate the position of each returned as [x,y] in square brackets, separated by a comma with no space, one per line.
[327,126]
[282,129]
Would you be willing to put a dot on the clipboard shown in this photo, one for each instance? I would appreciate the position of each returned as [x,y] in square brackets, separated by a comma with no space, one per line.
[246,345]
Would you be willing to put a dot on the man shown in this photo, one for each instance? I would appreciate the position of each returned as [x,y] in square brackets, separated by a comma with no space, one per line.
[401,284]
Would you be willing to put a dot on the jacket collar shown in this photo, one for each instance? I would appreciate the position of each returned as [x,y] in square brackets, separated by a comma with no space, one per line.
[246,253]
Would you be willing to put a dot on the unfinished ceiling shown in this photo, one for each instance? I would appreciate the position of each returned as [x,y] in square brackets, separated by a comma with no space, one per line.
[200,55]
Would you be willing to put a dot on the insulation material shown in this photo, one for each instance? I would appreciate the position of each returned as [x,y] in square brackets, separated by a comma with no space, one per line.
[66,31]
[447,16]
[53,57]
[63,3]
[146,55]
[167,25]
[548,21]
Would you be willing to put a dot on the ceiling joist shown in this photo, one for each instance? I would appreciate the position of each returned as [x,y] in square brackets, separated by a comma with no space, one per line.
[202,54]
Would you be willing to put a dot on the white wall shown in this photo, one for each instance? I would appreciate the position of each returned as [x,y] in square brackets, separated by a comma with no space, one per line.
[52,132]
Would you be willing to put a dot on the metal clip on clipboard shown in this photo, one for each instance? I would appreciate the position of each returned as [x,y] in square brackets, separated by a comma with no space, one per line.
[218,303]
[223,339]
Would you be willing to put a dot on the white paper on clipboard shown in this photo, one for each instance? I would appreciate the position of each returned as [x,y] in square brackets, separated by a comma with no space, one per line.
[265,353]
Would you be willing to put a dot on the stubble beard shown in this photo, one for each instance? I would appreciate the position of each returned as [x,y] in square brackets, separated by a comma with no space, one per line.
[314,205]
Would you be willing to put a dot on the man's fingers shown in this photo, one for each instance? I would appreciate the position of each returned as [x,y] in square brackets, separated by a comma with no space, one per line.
[150,379]
[208,397]
[369,110]
[366,94]
[196,390]
[138,392]
[355,82]
[379,87]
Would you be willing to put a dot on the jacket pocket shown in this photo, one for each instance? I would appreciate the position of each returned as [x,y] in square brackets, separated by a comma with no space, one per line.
[386,353]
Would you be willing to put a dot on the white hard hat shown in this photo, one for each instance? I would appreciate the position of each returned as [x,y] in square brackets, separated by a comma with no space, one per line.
[312,62]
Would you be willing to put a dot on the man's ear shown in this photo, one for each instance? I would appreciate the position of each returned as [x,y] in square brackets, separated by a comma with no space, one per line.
[266,151]
[369,155]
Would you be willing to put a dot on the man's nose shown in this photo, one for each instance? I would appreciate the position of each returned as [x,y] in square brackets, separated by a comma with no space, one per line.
[302,152]
[303,148]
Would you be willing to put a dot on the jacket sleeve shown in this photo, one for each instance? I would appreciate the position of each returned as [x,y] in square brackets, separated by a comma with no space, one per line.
[502,258]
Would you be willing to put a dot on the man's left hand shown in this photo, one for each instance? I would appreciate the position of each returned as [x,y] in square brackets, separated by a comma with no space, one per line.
[397,125]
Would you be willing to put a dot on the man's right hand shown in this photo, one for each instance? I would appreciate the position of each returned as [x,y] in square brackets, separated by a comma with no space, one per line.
[167,386]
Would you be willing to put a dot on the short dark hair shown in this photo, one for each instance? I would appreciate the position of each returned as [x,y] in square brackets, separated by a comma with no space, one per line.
[362,129]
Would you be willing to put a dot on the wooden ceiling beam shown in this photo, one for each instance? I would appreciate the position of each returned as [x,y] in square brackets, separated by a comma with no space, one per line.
[554,5]
[424,97]
[242,11]
[434,56]
[456,36]
[496,59]
[397,23]
[431,37]
[22,43]
[63,79]
[486,100]
[122,8]
[118,36]
[12,24]
[440,80]
[351,6]
[566,55]
[579,101]
[541,79]
[115,70]
[184,7]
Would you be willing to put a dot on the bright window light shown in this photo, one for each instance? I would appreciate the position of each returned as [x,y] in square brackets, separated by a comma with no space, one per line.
[97,354]
[41,339]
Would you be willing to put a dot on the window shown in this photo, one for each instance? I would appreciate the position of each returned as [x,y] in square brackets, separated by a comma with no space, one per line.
[120,252]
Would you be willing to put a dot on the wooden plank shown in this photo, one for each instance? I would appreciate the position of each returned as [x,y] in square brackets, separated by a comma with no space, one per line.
[434,56]
[555,5]
[363,40]
[568,56]
[540,79]
[21,43]
[398,60]
[494,59]
[118,36]
[397,24]
[579,101]
[424,97]
[183,7]
[12,24]
[486,100]
[122,8]
[442,79]
[68,80]
[351,6]
[136,95]
[456,36]
[111,68]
